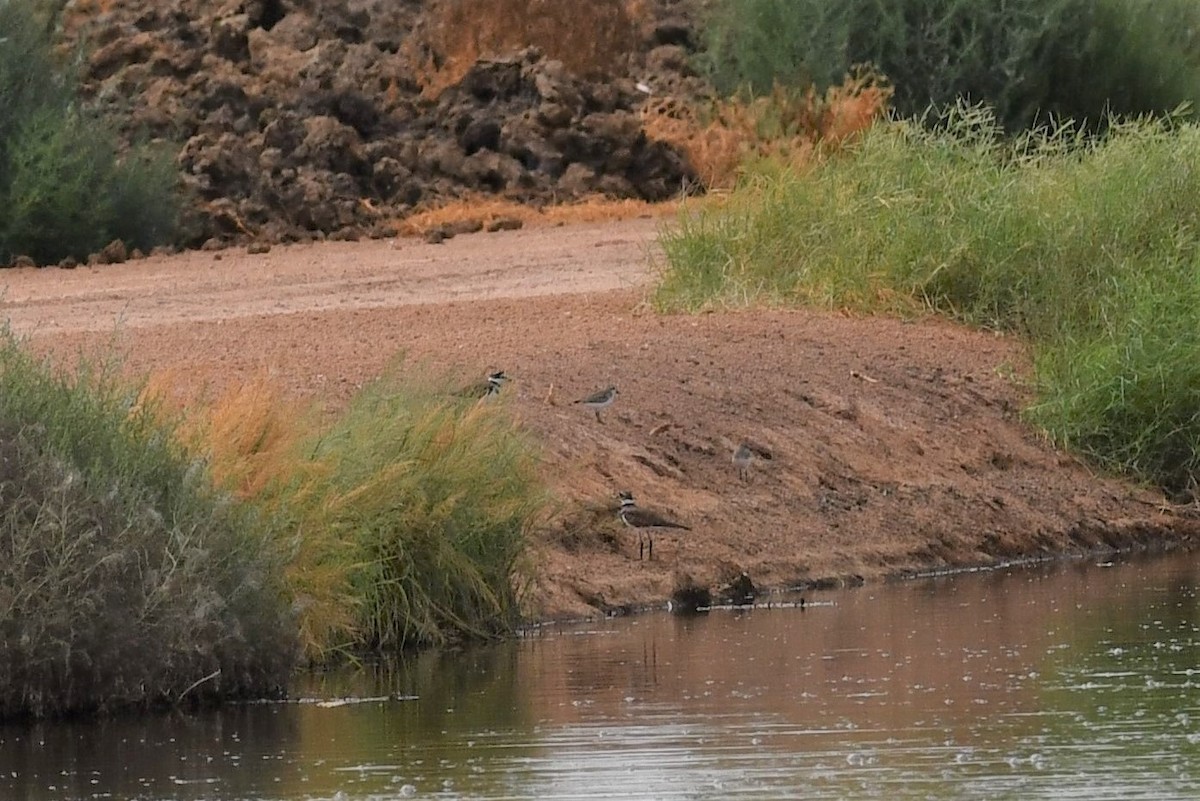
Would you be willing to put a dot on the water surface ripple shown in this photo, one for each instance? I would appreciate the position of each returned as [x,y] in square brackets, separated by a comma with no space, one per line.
[1075,681]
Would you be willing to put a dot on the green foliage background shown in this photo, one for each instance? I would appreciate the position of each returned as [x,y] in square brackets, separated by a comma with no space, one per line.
[64,188]
[1027,59]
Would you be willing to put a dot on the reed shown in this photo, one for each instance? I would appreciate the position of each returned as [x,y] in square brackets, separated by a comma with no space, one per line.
[438,495]
[402,519]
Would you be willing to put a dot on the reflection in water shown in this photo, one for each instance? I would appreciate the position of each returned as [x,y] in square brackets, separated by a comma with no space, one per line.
[1075,681]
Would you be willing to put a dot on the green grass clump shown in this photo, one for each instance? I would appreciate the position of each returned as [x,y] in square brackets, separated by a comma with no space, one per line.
[403,520]
[1089,246]
[1080,59]
[64,188]
[1129,398]
[126,580]
[438,496]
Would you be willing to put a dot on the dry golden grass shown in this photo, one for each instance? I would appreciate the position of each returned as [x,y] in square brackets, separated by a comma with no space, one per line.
[486,210]
[592,39]
[251,436]
[786,125]
[402,520]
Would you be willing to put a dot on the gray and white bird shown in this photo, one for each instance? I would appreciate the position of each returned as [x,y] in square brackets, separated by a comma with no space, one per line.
[644,521]
[600,400]
[488,388]
[745,454]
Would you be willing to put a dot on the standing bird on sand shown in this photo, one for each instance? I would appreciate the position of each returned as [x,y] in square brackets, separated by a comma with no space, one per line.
[599,400]
[745,454]
[484,389]
[645,521]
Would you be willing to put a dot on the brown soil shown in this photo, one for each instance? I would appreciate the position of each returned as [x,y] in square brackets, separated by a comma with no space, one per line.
[897,446]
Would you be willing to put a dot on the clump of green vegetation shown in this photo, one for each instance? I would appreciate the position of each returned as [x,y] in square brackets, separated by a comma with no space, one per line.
[404,520]
[147,559]
[126,580]
[1027,59]
[1088,245]
[64,189]
[1129,396]
[438,496]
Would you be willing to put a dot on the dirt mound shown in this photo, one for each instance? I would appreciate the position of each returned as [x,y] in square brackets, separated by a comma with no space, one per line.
[300,120]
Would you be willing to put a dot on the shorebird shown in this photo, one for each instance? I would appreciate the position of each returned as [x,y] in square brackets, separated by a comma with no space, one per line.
[600,400]
[645,521]
[484,389]
[745,454]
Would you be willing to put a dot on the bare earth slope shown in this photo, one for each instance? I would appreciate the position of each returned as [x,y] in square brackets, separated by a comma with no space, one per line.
[897,446]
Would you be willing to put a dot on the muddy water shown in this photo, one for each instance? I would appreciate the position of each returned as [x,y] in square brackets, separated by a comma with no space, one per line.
[1074,682]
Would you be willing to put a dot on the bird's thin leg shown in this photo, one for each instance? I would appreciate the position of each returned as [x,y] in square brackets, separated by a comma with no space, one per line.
[641,548]
[650,551]
[598,420]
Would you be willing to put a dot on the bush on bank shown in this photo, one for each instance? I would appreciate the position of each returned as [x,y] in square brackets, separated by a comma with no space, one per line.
[404,520]
[64,188]
[146,560]
[437,496]
[126,579]
[1089,246]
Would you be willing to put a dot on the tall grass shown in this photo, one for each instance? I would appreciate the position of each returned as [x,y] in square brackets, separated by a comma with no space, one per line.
[1028,59]
[125,578]
[1089,246]
[438,496]
[1130,397]
[256,442]
[404,519]
[147,560]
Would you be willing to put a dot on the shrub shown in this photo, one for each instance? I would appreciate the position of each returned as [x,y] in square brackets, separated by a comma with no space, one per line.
[63,187]
[1088,246]
[257,443]
[1028,59]
[756,44]
[28,79]
[58,201]
[438,496]
[125,579]
[404,520]
[143,196]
